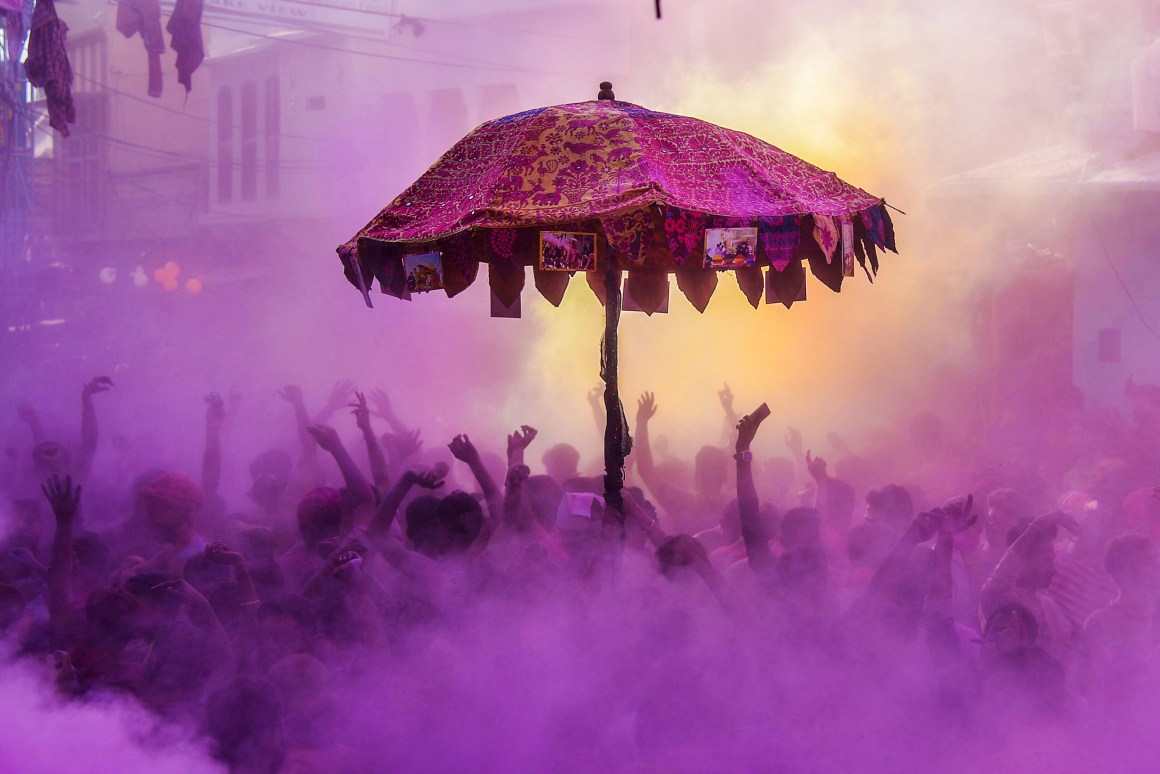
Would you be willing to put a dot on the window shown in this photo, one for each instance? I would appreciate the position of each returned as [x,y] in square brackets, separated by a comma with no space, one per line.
[225,160]
[273,129]
[249,126]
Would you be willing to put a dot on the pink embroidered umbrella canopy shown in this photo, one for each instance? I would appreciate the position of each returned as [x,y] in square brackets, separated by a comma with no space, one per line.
[645,189]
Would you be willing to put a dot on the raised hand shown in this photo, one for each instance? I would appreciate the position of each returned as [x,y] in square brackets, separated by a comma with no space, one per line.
[400,447]
[97,384]
[429,479]
[521,439]
[646,407]
[463,449]
[726,397]
[339,394]
[62,496]
[382,403]
[325,436]
[747,429]
[292,394]
[362,414]
[793,440]
[218,552]
[816,467]
[955,515]
[215,409]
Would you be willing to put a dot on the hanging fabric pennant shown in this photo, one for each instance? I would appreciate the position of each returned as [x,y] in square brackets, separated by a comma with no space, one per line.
[506,280]
[888,225]
[596,280]
[826,235]
[513,310]
[777,238]
[786,287]
[684,235]
[751,280]
[698,286]
[646,291]
[829,273]
[629,234]
[875,225]
[460,266]
[865,245]
[551,284]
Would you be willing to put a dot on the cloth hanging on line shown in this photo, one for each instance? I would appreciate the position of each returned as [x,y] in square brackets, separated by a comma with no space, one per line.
[47,65]
[184,27]
[144,17]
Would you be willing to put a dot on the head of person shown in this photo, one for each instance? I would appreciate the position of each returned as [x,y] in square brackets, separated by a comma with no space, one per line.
[837,504]
[1133,563]
[889,507]
[269,477]
[542,494]
[319,516]
[170,501]
[1039,554]
[1005,508]
[561,462]
[710,470]
[461,517]
[244,718]
[800,527]
[422,527]
[730,522]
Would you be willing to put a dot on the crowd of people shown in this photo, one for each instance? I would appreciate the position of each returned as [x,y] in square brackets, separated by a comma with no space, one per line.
[372,605]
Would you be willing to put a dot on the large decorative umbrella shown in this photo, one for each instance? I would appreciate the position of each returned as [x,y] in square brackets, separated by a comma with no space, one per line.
[607,188]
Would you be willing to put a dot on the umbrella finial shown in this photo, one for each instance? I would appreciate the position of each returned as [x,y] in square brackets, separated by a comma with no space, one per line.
[606,91]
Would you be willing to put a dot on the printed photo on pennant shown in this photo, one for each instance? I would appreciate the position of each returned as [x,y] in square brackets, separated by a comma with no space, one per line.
[730,248]
[424,272]
[567,251]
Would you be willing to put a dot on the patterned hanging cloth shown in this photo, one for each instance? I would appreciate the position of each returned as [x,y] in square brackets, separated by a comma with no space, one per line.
[47,65]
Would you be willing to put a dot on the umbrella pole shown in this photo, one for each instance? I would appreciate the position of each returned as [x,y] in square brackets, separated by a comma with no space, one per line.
[613,424]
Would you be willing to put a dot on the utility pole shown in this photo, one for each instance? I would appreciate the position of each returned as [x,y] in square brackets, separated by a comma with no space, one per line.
[16,151]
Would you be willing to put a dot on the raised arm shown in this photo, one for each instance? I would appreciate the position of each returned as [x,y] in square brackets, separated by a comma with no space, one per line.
[339,395]
[362,417]
[64,499]
[1006,574]
[28,415]
[389,506]
[327,439]
[89,424]
[646,409]
[752,530]
[464,450]
[517,442]
[211,460]
[730,427]
[385,410]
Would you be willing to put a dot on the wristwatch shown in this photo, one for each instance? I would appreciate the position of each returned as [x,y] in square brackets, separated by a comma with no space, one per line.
[745,456]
